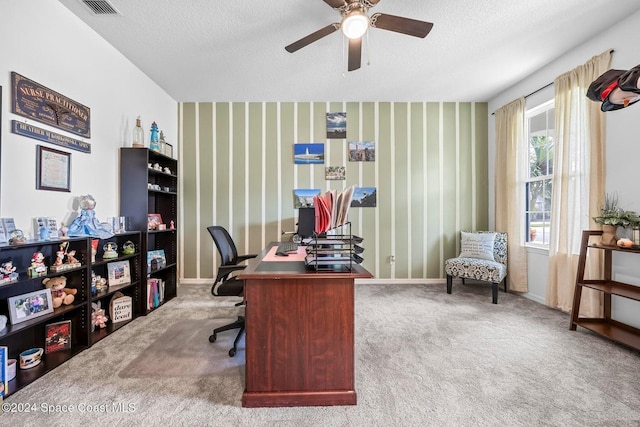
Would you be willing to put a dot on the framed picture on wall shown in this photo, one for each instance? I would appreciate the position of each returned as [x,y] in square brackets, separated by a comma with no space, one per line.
[53,169]
[336,125]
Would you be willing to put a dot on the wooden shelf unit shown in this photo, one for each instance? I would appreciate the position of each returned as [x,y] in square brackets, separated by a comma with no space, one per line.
[22,336]
[132,289]
[606,326]
[31,333]
[139,197]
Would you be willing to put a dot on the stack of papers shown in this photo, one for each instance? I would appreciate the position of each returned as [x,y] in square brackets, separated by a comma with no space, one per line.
[332,209]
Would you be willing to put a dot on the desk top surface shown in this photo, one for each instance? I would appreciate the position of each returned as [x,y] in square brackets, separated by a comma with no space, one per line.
[266,266]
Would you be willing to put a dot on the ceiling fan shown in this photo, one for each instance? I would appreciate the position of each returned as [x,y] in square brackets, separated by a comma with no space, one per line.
[354,24]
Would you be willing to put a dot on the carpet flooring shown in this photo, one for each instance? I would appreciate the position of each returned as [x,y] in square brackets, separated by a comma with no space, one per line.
[423,358]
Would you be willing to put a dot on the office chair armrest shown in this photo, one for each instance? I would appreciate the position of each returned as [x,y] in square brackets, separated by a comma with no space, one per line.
[246,257]
[224,270]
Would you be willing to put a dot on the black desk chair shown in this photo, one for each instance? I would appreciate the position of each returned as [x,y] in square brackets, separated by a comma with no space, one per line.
[225,284]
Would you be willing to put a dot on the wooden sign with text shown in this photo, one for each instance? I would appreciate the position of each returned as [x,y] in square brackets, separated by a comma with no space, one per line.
[32,100]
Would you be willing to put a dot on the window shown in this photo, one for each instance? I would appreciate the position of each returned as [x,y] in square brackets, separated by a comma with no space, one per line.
[540,136]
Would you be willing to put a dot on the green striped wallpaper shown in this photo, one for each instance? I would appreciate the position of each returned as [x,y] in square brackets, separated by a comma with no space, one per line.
[430,172]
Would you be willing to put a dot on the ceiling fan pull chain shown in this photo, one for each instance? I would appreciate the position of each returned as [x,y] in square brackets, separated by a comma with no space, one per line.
[367,49]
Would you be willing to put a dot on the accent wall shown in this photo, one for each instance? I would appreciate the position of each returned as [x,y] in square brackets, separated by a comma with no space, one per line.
[430,172]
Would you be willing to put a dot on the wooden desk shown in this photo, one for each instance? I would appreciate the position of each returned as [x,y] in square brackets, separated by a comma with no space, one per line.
[299,334]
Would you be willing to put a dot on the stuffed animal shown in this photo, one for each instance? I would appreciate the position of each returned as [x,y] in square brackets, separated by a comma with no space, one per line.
[98,317]
[59,292]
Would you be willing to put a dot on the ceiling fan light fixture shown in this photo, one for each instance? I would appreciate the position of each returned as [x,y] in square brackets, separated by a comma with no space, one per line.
[355,24]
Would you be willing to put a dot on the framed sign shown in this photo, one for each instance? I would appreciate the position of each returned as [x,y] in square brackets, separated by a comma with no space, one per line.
[53,169]
[35,101]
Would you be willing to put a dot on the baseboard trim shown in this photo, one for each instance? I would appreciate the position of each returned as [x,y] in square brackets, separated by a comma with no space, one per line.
[357,281]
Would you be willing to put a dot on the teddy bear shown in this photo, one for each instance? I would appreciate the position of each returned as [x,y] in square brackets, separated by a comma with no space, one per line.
[59,292]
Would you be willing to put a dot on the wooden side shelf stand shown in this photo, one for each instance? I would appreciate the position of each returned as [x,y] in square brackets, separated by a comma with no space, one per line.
[606,326]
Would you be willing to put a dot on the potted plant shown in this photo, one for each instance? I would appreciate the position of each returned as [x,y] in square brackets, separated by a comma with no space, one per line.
[612,216]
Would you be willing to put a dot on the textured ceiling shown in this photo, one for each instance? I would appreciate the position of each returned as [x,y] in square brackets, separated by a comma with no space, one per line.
[204,50]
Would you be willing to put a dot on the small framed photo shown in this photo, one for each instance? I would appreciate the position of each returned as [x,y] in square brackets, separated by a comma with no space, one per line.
[168,150]
[53,169]
[28,306]
[153,221]
[119,273]
[57,336]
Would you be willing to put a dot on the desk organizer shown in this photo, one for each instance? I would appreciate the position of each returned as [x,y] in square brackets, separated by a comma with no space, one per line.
[337,249]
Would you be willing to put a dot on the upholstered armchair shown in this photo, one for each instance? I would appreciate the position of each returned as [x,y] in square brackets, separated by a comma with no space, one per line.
[483,257]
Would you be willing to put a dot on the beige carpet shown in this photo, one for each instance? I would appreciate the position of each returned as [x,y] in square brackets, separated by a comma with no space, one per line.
[184,350]
[423,358]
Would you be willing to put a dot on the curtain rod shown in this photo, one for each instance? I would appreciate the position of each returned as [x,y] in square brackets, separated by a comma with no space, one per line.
[546,86]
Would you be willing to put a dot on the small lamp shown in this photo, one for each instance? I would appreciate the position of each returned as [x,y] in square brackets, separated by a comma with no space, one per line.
[355,24]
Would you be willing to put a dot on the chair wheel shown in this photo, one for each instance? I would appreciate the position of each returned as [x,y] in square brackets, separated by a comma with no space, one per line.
[212,338]
[232,352]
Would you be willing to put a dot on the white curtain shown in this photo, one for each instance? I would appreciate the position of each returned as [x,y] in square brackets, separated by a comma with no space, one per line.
[578,183]
[509,187]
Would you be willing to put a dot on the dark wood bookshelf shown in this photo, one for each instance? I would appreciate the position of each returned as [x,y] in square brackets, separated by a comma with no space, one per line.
[146,190]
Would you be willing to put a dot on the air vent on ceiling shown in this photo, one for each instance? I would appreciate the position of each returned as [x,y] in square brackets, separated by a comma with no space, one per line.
[101,7]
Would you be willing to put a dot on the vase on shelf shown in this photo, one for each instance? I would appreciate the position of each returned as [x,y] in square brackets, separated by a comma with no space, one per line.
[138,135]
[609,235]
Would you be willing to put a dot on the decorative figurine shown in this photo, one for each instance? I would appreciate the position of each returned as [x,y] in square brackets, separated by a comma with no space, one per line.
[64,231]
[86,224]
[154,143]
[59,257]
[128,248]
[167,170]
[98,283]
[44,233]
[37,268]
[110,250]
[172,226]
[61,253]
[71,257]
[8,271]
[17,237]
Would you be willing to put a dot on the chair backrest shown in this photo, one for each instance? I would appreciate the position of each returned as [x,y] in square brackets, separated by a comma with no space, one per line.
[499,246]
[224,243]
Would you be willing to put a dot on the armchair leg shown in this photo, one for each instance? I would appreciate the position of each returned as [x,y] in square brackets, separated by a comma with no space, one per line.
[449,283]
[505,284]
[494,292]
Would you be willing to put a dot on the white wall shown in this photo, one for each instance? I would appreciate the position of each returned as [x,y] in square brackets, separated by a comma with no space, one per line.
[43,41]
[622,152]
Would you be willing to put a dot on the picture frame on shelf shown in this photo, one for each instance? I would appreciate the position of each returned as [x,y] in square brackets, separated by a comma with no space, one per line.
[30,305]
[53,169]
[168,150]
[9,225]
[156,260]
[153,221]
[57,336]
[119,273]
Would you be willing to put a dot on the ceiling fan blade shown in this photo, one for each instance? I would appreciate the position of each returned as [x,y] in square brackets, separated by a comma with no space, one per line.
[312,37]
[336,4]
[355,52]
[408,26]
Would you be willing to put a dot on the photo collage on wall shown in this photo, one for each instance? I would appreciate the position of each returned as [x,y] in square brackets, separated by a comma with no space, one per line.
[314,153]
